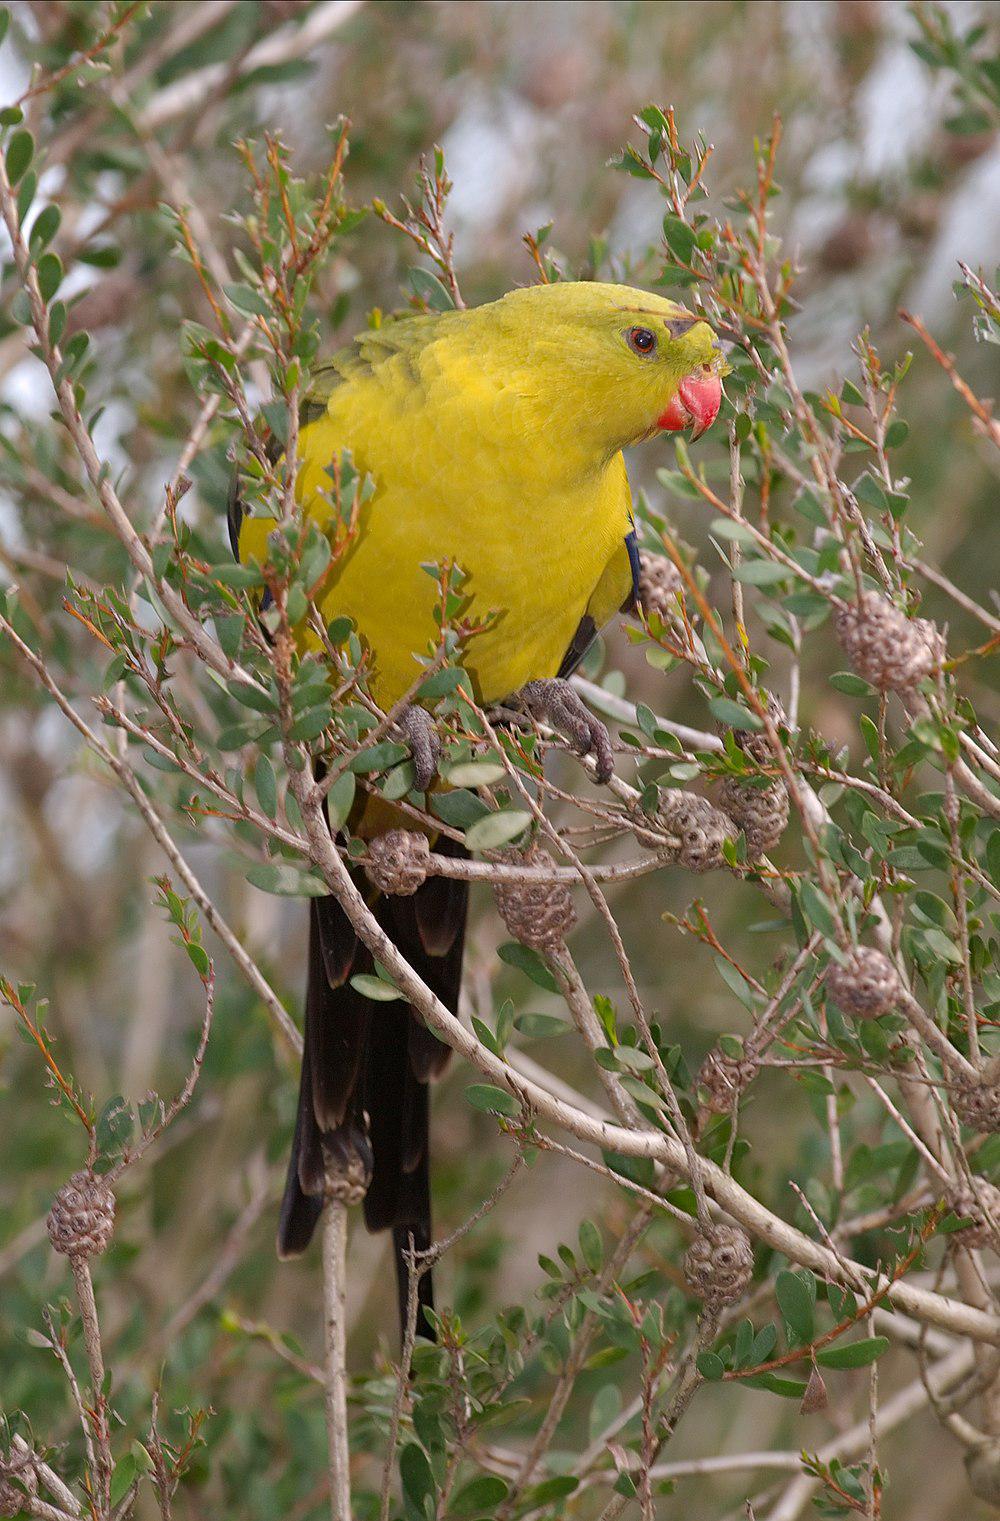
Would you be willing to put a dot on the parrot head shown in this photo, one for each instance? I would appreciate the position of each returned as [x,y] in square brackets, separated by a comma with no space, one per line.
[631,363]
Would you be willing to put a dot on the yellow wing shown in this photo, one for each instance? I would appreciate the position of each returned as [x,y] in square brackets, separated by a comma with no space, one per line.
[540,548]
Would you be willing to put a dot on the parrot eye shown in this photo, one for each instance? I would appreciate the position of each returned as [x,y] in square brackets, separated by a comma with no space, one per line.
[641,341]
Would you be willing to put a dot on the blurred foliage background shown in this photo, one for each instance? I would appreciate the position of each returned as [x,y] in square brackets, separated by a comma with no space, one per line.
[890,169]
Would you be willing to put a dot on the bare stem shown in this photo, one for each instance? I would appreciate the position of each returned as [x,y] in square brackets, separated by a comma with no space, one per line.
[84,1285]
[335,1326]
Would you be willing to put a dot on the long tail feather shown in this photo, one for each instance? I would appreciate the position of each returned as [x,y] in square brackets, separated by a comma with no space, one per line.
[366,1068]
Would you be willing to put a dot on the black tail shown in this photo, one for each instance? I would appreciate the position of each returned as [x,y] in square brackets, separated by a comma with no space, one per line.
[366,1067]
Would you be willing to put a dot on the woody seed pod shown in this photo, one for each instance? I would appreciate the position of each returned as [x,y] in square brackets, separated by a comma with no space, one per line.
[539,914]
[867,986]
[722,1079]
[718,1265]
[886,647]
[702,828]
[397,861]
[82,1218]
[977,1101]
[761,812]
[659,583]
[979,1202]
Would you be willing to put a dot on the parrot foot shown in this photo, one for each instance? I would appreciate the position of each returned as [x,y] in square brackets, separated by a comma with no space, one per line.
[420,733]
[557,701]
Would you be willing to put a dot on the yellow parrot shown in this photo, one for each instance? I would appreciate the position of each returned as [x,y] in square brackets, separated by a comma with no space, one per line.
[494,436]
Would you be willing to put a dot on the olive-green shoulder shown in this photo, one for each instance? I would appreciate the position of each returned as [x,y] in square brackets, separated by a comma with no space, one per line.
[400,337]
[358,361]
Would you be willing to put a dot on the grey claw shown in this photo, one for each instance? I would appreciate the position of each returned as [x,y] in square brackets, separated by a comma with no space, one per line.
[554,699]
[420,732]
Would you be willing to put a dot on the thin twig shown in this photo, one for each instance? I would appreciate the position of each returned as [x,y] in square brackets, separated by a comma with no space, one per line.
[334,1232]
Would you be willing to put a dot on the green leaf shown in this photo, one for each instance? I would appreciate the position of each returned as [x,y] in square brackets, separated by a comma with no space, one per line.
[760,573]
[57,326]
[591,1245]
[735,981]
[869,733]
[853,1354]
[491,1099]
[107,256]
[416,1476]
[26,195]
[631,163]
[549,1489]
[993,856]
[370,986]
[160,762]
[286,882]
[939,942]
[530,963]
[788,1388]
[733,715]
[606,1407]
[633,1059]
[312,724]
[495,830]
[476,773]
[726,528]
[681,239]
[266,786]
[253,697]
[479,1495]
[459,808]
[240,577]
[247,300]
[378,757]
[44,228]
[115,1125]
[868,490]
[605,1011]
[125,1474]
[19,155]
[796,1305]
[710,1366]
[430,289]
[50,273]
[764,1344]
[235,736]
[441,683]
[399,781]
[143,1461]
[199,958]
[228,628]
[855,686]
[339,800]
[743,1344]
[339,629]
[541,1026]
[843,1302]
[817,910]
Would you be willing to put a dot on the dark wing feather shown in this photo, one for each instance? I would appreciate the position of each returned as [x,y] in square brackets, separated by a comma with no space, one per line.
[586,629]
[633,600]
[586,633]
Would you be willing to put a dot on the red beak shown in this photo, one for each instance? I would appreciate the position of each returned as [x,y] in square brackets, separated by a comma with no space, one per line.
[695,406]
